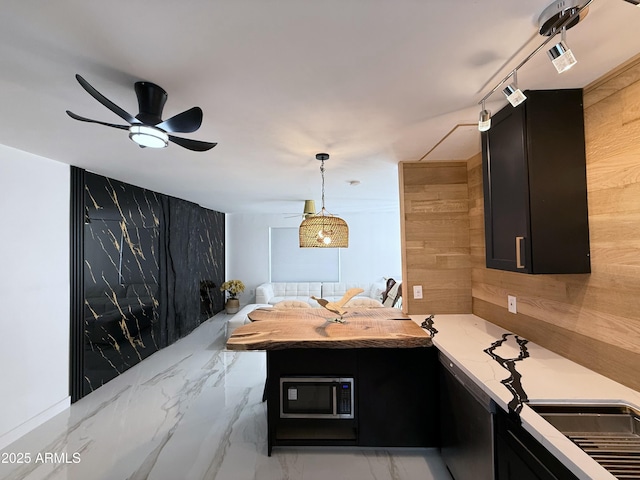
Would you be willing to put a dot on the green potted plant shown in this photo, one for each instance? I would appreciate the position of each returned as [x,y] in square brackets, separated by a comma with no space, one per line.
[233,288]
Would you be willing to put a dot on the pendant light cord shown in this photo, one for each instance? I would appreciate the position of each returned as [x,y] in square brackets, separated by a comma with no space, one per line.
[322,173]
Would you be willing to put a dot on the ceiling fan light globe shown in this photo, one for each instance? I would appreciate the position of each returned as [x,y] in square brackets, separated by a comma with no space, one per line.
[148,136]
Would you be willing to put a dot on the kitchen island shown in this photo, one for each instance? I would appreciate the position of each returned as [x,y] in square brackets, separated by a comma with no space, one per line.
[389,358]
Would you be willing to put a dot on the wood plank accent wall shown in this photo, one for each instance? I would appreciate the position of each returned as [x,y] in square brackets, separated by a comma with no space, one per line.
[593,319]
[434,215]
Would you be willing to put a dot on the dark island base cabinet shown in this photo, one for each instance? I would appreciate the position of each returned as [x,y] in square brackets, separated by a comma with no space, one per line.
[396,398]
[519,456]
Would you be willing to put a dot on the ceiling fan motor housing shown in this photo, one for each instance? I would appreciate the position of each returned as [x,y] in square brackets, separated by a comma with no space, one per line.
[151,100]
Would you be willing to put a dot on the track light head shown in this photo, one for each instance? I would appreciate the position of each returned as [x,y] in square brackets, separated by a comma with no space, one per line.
[561,56]
[514,94]
[484,121]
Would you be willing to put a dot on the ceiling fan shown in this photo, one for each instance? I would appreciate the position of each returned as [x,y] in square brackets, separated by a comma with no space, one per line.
[308,211]
[147,128]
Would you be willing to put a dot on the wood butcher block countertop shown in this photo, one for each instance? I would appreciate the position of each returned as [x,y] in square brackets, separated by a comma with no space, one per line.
[277,329]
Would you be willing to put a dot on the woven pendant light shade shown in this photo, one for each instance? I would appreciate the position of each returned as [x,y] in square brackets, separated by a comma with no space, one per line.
[324,231]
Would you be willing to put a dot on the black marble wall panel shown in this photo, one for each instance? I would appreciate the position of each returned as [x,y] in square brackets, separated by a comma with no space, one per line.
[193,250]
[121,270]
[153,265]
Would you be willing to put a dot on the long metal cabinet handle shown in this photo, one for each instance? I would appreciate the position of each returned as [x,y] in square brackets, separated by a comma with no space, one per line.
[518,256]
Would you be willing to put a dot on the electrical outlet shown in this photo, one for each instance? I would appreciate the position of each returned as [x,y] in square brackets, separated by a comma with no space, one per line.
[417,292]
[512,304]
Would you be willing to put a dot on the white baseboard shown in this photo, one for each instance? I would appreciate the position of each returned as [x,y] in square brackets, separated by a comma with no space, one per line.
[13,435]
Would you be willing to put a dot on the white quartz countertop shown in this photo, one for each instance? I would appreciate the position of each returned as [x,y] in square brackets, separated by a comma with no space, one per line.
[484,351]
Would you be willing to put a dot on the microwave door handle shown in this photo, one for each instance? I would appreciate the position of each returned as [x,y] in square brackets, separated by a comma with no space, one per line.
[335,400]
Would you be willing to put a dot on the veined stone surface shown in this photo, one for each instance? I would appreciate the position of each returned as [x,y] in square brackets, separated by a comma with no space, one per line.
[192,411]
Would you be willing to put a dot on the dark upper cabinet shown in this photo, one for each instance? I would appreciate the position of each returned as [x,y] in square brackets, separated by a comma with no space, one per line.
[535,187]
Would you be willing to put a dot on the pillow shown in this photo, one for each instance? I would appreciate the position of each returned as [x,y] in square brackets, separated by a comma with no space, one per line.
[393,294]
[390,283]
[292,304]
[363,302]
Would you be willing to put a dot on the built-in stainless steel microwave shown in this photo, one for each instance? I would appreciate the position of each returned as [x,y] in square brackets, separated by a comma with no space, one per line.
[316,397]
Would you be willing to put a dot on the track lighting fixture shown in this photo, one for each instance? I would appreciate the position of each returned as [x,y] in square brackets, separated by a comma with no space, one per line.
[484,122]
[634,2]
[561,55]
[513,93]
[556,18]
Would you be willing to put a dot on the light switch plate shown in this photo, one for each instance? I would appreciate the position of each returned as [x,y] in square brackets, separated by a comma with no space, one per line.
[417,292]
[512,304]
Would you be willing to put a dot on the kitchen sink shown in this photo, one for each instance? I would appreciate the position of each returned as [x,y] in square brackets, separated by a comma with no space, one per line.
[610,434]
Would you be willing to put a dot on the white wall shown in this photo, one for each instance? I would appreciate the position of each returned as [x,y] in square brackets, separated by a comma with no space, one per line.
[34,291]
[373,253]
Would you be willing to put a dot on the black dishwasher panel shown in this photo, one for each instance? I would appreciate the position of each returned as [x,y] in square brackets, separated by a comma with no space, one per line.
[466,425]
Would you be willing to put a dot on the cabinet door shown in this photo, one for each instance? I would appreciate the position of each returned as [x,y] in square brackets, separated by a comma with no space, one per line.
[519,456]
[506,192]
[466,428]
[397,397]
[516,462]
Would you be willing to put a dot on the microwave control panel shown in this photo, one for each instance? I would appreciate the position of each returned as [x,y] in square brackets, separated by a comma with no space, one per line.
[344,398]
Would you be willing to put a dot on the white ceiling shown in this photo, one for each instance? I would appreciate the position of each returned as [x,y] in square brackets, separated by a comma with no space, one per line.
[371,82]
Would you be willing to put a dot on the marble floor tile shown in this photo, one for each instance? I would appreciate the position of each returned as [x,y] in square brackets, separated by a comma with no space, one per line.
[192,411]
